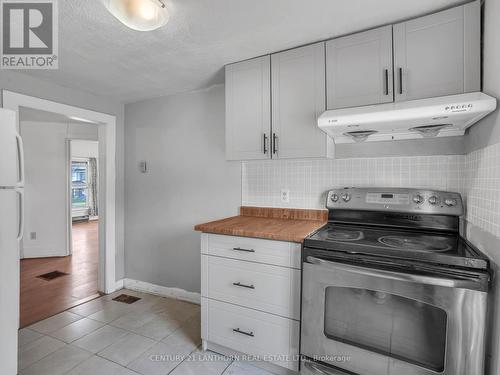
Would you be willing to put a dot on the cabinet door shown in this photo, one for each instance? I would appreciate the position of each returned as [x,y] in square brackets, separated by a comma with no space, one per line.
[298,98]
[248,109]
[359,69]
[438,54]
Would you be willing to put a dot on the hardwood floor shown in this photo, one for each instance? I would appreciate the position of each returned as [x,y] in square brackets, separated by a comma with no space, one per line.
[41,299]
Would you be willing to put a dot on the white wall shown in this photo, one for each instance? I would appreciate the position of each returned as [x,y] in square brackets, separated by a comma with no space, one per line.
[84,149]
[189,182]
[28,85]
[45,147]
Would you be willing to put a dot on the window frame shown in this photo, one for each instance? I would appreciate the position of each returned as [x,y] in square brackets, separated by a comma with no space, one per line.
[85,187]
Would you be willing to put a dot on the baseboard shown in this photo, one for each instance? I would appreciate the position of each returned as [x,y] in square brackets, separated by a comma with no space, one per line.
[40,252]
[176,293]
[119,284]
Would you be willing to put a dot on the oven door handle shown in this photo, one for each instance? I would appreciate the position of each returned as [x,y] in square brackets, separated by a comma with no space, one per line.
[464,282]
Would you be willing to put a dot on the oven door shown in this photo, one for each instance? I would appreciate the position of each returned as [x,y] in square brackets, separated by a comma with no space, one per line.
[378,321]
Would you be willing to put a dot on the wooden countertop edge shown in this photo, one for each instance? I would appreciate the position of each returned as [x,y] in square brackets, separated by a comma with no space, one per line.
[304,222]
[262,235]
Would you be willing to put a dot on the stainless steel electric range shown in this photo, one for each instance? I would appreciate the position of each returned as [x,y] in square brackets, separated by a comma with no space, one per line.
[390,287]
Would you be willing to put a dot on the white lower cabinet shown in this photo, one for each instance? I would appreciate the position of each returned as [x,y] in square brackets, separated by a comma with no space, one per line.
[258,250]
[252,332]
[249,306]
[258,286]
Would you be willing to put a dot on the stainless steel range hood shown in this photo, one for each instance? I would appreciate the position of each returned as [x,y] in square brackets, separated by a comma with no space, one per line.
[435,117]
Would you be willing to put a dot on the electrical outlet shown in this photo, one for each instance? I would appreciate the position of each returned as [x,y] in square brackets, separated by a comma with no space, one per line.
[32,235]
[285,196]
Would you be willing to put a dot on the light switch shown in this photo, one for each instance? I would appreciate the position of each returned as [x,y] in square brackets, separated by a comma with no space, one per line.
[143,166]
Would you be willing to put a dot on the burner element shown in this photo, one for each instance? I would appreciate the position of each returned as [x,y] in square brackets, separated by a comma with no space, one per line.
[345,235]
[420,243]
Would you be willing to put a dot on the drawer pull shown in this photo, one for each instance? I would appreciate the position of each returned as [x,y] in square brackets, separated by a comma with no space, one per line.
[244,286]
[237,330]
[244,250]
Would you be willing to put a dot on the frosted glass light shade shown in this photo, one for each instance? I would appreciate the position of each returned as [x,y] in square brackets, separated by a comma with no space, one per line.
[140,15]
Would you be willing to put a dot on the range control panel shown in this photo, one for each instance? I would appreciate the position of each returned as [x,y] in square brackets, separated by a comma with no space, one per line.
[396,199]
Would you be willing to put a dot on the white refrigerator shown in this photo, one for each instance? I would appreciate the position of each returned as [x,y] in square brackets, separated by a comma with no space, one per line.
[11,230]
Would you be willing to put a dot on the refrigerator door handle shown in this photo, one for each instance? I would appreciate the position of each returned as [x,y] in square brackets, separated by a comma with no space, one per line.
[20,151]
[20,232]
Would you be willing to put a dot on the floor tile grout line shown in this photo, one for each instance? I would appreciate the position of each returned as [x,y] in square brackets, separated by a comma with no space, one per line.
[229,365]
[194,350]
[181,362]
[98,353]
[155,341]
[51,335]
[79,363]
[95,355]
[47,354]
[53,316]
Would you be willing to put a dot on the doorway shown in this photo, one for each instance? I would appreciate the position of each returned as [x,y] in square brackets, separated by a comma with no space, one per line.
[106,129]
[60,246]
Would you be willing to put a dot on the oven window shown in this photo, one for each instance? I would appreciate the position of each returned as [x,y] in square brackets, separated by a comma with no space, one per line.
[388,324]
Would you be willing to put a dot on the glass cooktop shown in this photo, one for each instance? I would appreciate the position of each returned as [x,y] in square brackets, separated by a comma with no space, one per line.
[434,247]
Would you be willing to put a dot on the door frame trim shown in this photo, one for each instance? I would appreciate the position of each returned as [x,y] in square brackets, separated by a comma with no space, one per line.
[107,177]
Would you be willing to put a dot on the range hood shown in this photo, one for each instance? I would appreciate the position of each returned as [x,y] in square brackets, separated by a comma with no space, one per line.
[435,117]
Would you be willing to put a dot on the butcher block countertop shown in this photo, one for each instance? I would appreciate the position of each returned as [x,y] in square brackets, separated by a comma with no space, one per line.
[283,224]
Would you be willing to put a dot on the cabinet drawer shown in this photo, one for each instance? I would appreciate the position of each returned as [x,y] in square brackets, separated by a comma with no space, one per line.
[279,253]
[252,332]
[262,287]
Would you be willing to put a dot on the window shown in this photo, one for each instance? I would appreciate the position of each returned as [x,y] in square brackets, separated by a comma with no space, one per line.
[79,184]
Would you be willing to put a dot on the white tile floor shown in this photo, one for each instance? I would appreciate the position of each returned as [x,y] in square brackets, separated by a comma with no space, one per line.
[153,336]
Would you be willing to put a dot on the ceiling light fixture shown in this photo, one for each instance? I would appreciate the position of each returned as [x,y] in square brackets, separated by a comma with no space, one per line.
[140,15]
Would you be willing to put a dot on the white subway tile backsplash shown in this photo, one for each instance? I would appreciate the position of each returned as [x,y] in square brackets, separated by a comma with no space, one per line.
[308,180]
[481,187]
[476,176]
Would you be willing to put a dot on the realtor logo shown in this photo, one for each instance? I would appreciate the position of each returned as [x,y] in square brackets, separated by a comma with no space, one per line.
[29,34]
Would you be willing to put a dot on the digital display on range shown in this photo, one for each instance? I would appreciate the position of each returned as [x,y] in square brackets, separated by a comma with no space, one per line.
[387,198]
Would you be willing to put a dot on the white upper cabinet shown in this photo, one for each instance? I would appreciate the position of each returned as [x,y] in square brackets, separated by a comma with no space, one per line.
[359,69]
[438,54]
[273,102]
[298,99]
[248,109]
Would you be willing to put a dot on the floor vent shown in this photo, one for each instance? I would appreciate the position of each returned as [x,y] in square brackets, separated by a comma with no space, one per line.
[52,275]
[125,298]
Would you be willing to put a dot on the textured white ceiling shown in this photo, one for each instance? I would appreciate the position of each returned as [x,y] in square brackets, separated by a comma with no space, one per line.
[100,55]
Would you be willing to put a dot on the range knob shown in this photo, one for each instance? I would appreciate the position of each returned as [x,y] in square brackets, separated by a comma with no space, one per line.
[346,197]
[450,202]
[433,200]
[334,198]
[418,199]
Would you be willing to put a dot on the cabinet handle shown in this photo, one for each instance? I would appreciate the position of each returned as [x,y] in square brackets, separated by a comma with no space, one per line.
[400,73]
[265,143]
[244,250]
[237,330]
[386,81]
[243,285]
[275,143]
